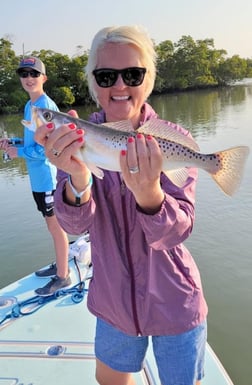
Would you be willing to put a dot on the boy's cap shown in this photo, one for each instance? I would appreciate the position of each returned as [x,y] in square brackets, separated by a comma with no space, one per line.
[32,62]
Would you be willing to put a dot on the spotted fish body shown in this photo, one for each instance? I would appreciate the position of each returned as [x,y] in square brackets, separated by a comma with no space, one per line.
[103,143]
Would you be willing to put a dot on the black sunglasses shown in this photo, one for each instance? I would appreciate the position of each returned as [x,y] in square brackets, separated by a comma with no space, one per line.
[107,77]
[32,73]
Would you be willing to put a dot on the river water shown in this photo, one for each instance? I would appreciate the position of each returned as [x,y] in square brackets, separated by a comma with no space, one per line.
[221,241]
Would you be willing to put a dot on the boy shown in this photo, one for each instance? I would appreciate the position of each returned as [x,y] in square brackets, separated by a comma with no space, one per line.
[42,173]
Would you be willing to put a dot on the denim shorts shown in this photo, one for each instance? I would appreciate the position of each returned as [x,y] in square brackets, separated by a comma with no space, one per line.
[179,358]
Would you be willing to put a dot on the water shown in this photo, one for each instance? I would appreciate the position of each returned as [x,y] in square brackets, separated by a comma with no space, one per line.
[221,240]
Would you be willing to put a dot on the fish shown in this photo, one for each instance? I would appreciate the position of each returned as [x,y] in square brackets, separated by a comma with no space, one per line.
[104,142]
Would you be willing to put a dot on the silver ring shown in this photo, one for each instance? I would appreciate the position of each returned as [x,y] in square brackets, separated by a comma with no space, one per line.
[55,152]
[134,170]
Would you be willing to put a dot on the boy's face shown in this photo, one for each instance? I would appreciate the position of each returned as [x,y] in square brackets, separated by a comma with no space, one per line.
[34,81]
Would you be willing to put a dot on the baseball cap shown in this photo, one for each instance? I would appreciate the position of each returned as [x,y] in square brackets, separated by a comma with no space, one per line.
[32,62]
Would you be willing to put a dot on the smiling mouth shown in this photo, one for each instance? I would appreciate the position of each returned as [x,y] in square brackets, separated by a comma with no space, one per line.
[120,98]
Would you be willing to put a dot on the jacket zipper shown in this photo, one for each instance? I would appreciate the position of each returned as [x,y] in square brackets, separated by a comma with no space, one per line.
[130,260]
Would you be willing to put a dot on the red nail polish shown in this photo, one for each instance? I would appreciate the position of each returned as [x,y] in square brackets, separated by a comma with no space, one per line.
[79,132]
[123,152]
[72,126]
[130,140]
[49,125]
[80,140]
[139,136]
[149,137]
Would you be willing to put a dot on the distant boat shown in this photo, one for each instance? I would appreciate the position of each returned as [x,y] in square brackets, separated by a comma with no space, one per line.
[50,340]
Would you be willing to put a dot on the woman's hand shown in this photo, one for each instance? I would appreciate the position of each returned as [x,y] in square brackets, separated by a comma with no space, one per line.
[62,146]
[141,167]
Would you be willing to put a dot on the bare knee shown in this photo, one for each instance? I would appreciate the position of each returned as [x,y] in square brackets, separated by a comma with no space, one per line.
[107,376]
[51,222]
[53,226]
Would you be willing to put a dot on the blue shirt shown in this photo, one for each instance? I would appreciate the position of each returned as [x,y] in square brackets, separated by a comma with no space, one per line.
[41,172]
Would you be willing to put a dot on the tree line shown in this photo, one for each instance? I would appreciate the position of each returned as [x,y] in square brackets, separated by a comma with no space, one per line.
[184,65]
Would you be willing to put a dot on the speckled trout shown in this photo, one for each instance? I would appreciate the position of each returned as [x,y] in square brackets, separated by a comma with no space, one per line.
[103,143]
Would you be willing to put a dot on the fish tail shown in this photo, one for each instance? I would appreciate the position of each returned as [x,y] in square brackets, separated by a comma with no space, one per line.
[230,171]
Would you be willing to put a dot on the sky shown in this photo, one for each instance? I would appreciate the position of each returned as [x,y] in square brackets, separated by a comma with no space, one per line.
[68,27]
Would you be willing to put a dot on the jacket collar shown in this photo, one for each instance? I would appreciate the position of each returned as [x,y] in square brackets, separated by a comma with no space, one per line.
[147,113]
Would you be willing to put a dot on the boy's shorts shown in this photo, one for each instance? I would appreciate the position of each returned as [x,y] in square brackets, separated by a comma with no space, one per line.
[45,202]
[179,358]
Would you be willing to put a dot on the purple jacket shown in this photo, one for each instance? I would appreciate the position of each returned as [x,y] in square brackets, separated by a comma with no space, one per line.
[145,281]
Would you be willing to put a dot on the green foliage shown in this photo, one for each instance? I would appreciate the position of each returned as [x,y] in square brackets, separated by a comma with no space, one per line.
[231,69]
[249,68]
[190,64]
[186,64]
[63,95]
[8,65]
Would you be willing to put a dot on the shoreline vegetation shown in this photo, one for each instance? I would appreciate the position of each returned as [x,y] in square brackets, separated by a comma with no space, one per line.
[182,66]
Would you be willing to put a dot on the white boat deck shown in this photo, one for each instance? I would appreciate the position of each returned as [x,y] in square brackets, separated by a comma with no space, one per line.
[54,345]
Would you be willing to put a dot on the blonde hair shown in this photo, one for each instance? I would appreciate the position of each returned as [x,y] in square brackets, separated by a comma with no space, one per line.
[135,35]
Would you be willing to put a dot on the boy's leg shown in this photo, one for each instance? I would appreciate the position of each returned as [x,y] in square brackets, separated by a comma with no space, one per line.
[60,241]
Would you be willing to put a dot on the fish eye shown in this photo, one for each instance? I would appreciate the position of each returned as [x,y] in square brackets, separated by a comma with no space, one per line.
[48,116]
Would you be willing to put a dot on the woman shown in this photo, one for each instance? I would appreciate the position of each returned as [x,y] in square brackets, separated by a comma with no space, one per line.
[145,281]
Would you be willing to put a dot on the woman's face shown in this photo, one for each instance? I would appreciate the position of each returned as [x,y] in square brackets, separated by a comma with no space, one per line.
[120,102]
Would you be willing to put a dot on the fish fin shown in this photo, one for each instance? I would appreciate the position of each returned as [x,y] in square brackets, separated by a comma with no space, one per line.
[166,131]
[178,176]
[122,125]
[230,172]
[95,170]
[91,166]
[28,124]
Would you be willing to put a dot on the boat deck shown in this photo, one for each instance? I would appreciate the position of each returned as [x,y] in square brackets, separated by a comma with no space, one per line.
[54,345]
